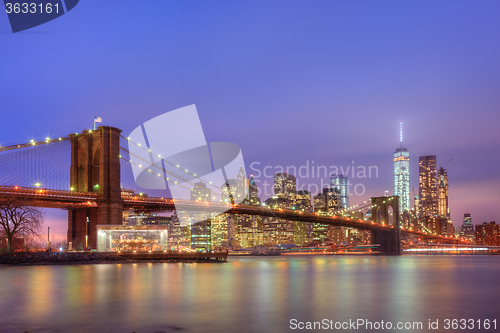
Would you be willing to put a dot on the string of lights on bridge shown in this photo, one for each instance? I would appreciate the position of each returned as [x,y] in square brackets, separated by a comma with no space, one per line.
[344,212]
[179,177]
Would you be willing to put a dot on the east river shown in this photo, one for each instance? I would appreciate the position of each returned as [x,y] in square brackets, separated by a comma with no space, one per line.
[252,294]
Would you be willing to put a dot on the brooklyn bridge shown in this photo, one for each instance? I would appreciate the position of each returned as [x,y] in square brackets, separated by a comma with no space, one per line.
[88,175]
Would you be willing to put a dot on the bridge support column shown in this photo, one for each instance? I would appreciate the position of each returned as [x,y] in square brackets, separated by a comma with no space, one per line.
[95,167]
[389,241]
[77,229]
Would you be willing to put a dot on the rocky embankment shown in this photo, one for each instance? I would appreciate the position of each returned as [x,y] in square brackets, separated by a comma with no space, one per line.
[80,258]
[59,258]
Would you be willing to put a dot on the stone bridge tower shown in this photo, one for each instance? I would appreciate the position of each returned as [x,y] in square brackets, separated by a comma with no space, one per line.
[95,167]
[390,240]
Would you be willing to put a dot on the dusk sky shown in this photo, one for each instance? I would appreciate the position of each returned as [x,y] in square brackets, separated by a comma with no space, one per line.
[289,82]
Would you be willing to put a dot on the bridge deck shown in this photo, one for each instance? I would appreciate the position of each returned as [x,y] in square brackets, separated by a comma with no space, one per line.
[71,200]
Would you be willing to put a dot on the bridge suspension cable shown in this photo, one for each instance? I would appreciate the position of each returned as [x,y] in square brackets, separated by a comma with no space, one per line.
[162,169]
[37,164]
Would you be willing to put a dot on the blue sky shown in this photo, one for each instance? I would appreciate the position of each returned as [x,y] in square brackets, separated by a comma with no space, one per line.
[288,81]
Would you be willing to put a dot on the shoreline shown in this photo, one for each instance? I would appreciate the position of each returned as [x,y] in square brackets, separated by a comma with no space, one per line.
[86,258]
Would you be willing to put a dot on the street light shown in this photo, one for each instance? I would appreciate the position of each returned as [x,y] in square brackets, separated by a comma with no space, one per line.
[48,239]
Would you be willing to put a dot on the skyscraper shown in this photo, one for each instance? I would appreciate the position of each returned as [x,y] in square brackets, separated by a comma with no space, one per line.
[427,186]
[303,201]
[402,175]
[201,228]
[467,229]
[253,192]
[285,186]
[339,184]
[443,208]
[241,186]
[333,200]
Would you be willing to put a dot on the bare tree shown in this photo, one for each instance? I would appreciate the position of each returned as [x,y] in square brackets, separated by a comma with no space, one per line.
[17,219]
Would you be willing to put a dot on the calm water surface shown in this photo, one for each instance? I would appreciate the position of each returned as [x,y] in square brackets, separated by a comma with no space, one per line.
[248,294]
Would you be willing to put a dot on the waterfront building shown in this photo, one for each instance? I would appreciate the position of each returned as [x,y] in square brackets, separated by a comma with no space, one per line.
[277,232]
[488,234]
[300,233]
[132,238]
[219,230]
[186,236]
[17,243]
[427,191]
[201,235]
[248,230]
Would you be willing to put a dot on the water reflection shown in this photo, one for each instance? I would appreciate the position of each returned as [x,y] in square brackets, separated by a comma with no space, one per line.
[246,295]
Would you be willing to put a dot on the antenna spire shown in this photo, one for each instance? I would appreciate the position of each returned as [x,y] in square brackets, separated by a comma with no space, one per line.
[401,132]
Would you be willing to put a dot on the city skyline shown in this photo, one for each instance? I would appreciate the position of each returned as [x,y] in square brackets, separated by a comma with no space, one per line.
[333,101]
[249,166]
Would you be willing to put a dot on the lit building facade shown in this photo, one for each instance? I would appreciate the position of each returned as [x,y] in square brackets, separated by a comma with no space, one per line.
[303,201]
[201,235]
[402,178]
[285,185]
[227,194]
[488,234]
[249,230]
[443,207]
[200,192]
[304,230]
[277,232]
[320,203]
[333,200]
[253,192]
[219,231]
[339,183]
[427,186]
[467,229]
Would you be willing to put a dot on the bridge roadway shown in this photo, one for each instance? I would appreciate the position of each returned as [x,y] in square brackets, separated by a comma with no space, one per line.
[48,198]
